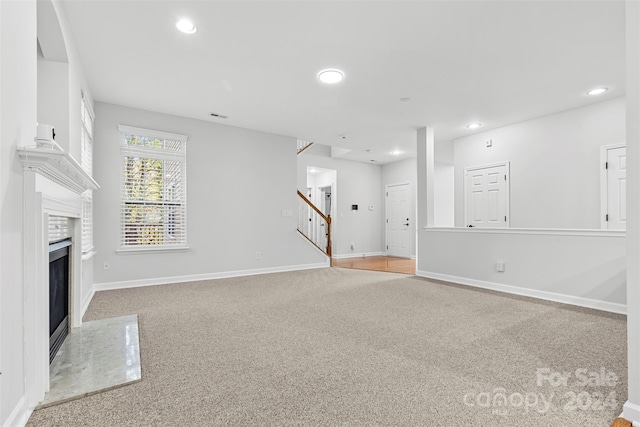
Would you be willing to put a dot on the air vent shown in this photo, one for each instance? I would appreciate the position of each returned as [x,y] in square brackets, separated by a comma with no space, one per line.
[219,116]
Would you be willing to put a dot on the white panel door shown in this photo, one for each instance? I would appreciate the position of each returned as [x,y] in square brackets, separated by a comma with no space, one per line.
[487,196]
[398,207]
[616,216]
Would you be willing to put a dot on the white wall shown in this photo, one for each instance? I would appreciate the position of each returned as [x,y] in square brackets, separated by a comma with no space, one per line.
[401,172]
[238,183]
[357,184]
[18,109]
[555,165]
[78,85]
[53,98]
[443,195]
[585,269]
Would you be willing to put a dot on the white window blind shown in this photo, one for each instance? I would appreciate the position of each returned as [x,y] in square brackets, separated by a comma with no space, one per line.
[86,161]
[154,190]
[87,221]
[59,228]
[86,137]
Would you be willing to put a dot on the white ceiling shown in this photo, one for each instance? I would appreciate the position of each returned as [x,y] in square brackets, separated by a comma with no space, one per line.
[460,62]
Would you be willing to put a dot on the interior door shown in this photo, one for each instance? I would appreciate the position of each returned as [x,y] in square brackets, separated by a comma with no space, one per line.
[398,222]
[487,196]
[616,172]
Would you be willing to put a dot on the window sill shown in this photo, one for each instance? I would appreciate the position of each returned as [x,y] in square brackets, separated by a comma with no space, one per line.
[88,255]
[149,250]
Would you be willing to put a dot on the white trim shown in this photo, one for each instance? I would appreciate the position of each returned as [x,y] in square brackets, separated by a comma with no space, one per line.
[88,105]
[149,249]
[87,301]
[58,207]
[19,416]
[359,255]
[534,293]
[507,202]
[310,243]
[207,276]
[58,166]
[631,412]
[130,130]
[89,255]
[535,231]
[604,192]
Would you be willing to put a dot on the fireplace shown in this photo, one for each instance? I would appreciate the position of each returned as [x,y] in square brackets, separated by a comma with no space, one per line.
[59,262]
[53,183]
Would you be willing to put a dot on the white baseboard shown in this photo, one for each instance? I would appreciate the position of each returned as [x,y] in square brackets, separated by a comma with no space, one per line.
[207,276]
[87,301]
[19,416]
[631,412]
[534,293]
[359,255]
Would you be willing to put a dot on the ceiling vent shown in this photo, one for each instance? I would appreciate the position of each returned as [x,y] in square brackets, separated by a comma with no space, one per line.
[219,116]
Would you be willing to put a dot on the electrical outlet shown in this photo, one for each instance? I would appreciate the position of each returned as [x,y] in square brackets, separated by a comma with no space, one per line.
[106,265]
[500,266]
[258,255]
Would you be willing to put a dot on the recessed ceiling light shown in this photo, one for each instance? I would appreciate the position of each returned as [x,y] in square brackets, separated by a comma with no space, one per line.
[597,91]
[312,170]
[330,76]
[405,99]
[186,26]
[396,152]
[474,125]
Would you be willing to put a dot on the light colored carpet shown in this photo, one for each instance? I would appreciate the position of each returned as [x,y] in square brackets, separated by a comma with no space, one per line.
[350,347]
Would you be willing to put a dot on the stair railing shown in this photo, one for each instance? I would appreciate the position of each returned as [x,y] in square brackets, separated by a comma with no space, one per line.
[303,145]
[313,224]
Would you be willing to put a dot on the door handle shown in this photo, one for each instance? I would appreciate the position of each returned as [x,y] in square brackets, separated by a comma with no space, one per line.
[470,226]
[406,224]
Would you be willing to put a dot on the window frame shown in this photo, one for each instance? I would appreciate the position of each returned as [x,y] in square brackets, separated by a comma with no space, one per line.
[155,154]
[87,118]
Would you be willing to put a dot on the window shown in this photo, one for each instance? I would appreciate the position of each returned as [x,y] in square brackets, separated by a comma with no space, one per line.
[154,196]
[86,161]
[59,228]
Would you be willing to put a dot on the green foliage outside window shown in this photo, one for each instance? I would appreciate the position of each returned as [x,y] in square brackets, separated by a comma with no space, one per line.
[153,203]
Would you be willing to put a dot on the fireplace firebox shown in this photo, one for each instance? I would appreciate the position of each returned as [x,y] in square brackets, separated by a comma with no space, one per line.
[59,263]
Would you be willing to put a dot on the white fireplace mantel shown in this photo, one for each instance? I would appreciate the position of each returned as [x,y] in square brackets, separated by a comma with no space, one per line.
[58,166]
[54,183]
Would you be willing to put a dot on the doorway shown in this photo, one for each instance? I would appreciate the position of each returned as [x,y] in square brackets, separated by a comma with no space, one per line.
[614,187]
[486,196]
[398,221]
[321,191]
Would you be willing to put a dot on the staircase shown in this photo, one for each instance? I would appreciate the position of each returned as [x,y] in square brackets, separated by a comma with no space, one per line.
[303,145]
[314,225]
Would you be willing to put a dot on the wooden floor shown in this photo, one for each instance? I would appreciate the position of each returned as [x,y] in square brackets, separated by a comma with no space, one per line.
[378,263]
[621,422]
